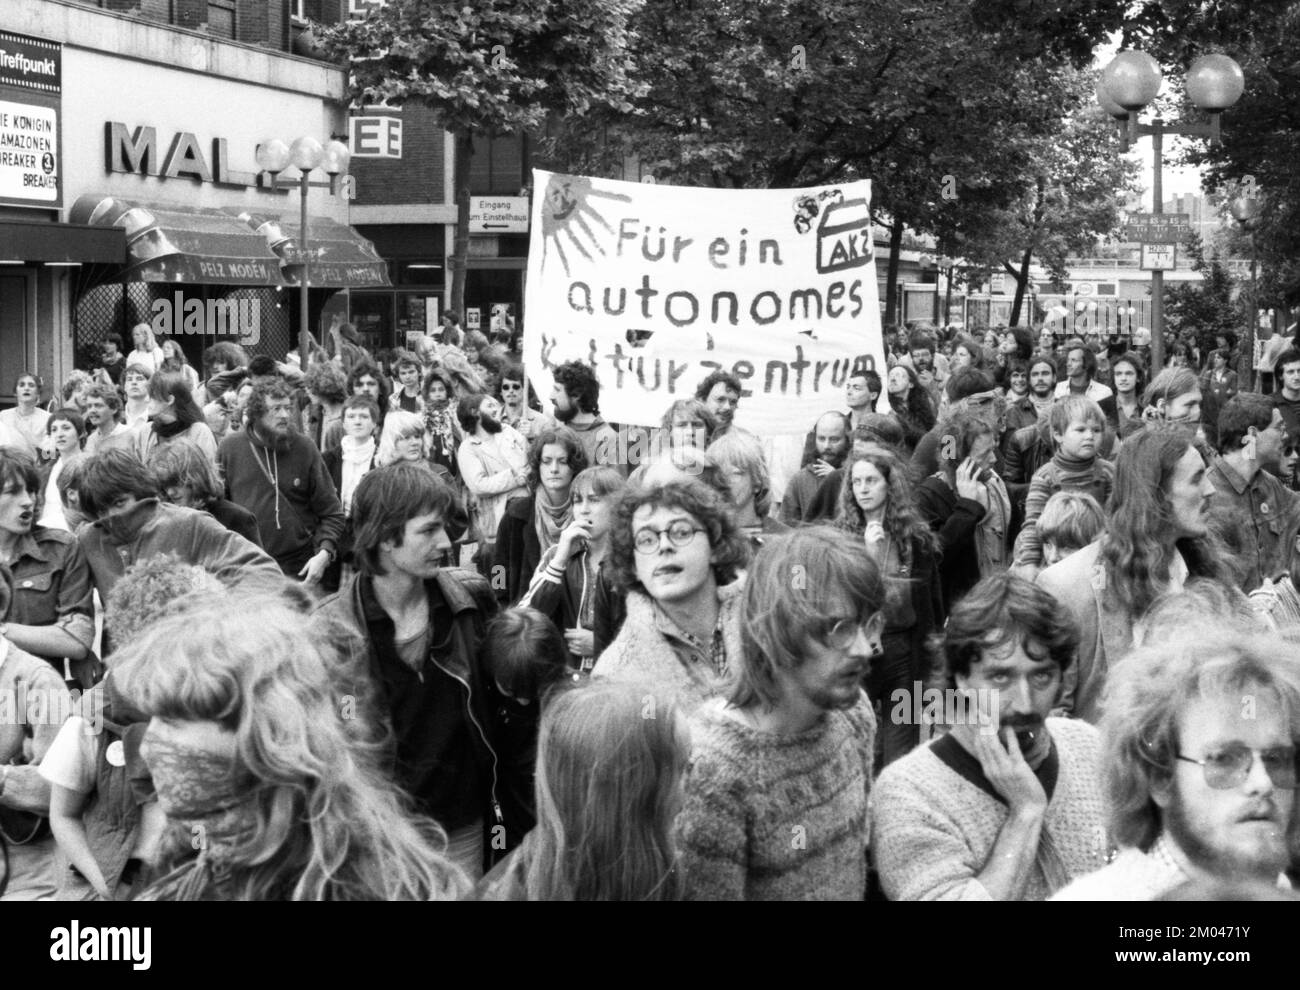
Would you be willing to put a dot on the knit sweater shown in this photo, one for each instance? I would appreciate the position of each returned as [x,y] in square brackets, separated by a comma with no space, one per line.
[1091,476]
[933,830]
[770,817]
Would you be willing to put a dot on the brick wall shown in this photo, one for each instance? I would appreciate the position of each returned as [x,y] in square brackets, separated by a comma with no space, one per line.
[417,177]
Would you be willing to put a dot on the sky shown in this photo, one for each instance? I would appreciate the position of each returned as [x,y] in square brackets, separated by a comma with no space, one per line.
[1176,180]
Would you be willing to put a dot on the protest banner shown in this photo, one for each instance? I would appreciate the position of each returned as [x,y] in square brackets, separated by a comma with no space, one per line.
[655,286]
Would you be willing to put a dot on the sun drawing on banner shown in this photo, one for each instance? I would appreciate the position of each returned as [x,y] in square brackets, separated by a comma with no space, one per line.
[565,212]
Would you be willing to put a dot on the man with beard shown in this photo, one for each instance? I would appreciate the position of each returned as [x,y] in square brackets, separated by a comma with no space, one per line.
[1157,537]
[493,461]
[921,347]
[831,439]
[1081,373]
[780,776]
[279,476]
[576,398]
[1008,805]
[1200,765]
[1029,406]
[720,392]
[105,430]
[861,392]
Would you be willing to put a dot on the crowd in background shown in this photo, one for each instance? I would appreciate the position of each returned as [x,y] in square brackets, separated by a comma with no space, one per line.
[392,626]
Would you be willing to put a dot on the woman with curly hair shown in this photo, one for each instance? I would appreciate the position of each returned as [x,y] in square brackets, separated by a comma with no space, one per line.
[675,553]
[442,431]
[608,789]
[1158,536]
[910,404]
[876,507]
[534,523]
[258,767]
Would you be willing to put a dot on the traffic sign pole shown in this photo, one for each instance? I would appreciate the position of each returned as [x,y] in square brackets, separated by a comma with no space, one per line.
[1157,276]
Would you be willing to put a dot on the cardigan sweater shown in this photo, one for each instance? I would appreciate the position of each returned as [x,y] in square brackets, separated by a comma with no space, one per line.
[649,651]
[776,817]
[932,830]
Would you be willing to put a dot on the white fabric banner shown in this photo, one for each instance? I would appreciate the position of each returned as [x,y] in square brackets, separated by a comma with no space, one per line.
[656,286]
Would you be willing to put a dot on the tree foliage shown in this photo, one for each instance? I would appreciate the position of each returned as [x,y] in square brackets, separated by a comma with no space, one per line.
[488,67]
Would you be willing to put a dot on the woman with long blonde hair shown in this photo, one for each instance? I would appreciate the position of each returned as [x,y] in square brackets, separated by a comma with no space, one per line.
[263,747]
[610,763]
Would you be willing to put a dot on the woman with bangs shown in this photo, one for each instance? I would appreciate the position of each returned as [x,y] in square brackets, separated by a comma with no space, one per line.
[876,507]
[565,583]
[608,789]
[258,768]
[66,433]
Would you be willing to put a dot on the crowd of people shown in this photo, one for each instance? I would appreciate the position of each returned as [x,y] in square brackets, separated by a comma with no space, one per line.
[1023,625]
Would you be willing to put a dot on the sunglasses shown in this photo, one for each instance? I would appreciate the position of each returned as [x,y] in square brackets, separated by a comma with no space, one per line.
[512,388]
[1229,767]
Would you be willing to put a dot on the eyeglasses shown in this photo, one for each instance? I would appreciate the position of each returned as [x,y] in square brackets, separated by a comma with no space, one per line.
[679,534]
[1230,766]
[843,633]
[512,388]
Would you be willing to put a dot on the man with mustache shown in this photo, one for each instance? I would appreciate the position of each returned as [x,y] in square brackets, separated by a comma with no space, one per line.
[777,791]
[278,475]
[1200,761]
[831,443]
[1008,805]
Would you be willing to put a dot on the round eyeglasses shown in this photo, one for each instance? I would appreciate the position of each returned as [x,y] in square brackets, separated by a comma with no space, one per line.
[842,635]
[1229,767]
[649,540]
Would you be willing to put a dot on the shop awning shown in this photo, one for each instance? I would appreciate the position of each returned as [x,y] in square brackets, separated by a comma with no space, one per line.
[24,240]
[339,256]
[172,244]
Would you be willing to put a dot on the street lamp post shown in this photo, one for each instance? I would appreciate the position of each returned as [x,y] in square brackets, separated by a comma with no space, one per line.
[1129,83]
[1244,209]
[306,154]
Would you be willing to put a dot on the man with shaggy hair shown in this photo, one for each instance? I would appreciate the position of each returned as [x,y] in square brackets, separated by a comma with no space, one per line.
[1008,805]
[278,475]
[1200,741]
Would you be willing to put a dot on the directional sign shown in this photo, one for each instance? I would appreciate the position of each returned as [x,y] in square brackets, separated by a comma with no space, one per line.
[1159,257]
[1157,228]
[498,214]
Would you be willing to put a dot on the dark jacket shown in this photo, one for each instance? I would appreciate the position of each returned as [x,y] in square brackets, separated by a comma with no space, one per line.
[954,518]
[235,518]
[460,603]
[286,486]
[518,549]
[611,611]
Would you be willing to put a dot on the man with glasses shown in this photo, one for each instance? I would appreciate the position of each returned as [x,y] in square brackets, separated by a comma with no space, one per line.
[780,775]
[675,552]
[1199,745]
[1008,805]
[516,412]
